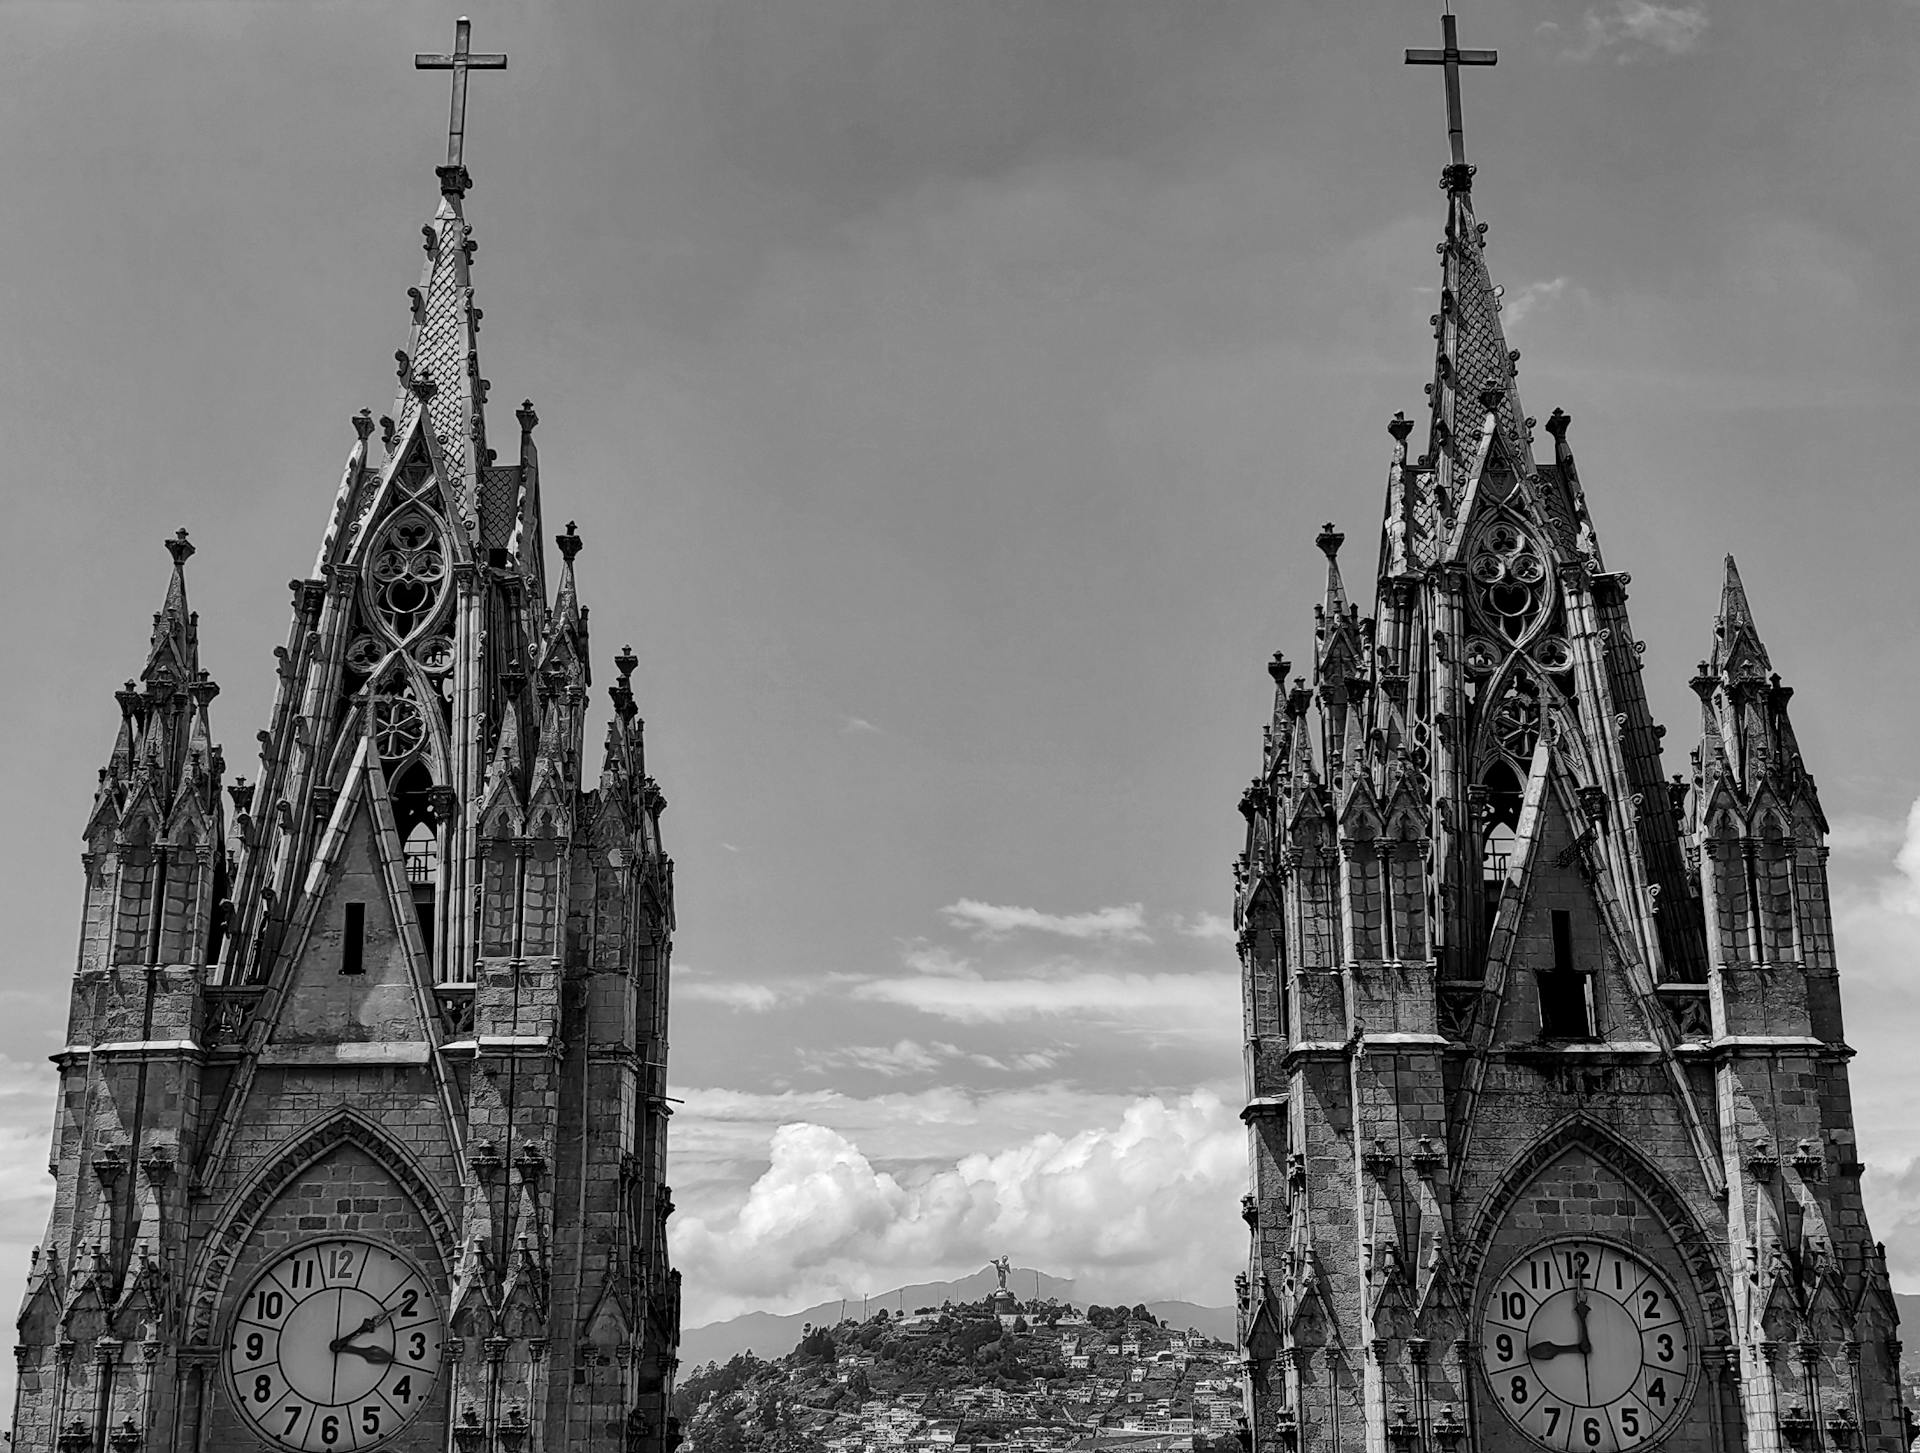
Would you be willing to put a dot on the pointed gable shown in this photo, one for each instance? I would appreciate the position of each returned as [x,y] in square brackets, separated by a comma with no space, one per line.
[357,971]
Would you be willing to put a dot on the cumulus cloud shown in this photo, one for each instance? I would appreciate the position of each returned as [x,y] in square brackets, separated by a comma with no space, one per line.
[1148,1200]
[1124,923]
[26,1190]
[1876,925]
[1632,28]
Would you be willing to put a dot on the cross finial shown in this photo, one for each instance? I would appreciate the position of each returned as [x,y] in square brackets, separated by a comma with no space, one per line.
[1451,58]
[453,176]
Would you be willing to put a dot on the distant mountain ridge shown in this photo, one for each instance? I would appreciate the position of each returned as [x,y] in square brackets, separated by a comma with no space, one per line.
[773,1334]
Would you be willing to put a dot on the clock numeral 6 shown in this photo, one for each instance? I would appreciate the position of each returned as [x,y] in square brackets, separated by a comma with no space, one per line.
[330,1430]
[1590,1432]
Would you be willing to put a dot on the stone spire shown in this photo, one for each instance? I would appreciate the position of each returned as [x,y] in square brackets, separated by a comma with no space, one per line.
[163,760]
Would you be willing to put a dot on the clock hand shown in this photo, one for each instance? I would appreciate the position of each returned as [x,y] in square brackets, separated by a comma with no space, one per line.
[372,1354]
[1586,1342]
[1552,1349]
[367,1326]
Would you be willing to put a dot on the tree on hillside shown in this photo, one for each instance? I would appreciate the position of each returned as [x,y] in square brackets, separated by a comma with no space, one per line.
[815,1345]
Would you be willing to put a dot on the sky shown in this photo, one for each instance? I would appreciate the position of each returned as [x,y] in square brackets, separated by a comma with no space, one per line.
[948,395]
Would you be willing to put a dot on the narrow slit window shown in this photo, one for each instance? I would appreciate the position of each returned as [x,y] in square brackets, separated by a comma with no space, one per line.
[1566,1003]
[353,940]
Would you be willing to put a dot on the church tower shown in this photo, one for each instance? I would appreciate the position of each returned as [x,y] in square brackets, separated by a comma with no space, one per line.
[1548,1113]
[361,1129]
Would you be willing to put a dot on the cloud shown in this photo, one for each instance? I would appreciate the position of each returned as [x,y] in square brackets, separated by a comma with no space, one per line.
[859,725]
[732,994]
[1634,27]
[931,958]
[1859,833]
[904,1058]
[1158,1004]
[1876,924]
[1147,1200]
[909,1057]
[1125,923]
[1517,304]
[1211,927]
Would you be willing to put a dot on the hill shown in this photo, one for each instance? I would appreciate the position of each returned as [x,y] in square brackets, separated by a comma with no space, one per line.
[770,1334]
[957,1373]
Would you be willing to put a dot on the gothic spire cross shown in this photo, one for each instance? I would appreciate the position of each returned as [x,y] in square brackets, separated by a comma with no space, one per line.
[1451,58]
[453,175]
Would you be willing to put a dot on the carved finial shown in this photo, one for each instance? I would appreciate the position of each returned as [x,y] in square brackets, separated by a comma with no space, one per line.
[1329,540]
[529,420]
[569,542]
[1400,426]
[1557,423]
[625,662]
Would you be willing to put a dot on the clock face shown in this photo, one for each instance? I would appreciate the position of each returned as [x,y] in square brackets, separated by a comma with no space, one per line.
[1586,1348]
[336,1347]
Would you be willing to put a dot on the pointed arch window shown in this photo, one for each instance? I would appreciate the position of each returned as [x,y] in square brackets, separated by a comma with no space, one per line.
[418,823]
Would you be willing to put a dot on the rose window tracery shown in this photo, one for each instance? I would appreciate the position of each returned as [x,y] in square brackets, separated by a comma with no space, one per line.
[1510,576]
[363,654]
[435,655]
[1553,653]
[407,573]
[399,727]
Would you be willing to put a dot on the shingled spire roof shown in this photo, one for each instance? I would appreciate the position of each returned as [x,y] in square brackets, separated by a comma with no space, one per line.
[1736,641]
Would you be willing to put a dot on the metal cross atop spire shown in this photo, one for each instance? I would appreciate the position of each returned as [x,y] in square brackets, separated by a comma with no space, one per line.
[1451,58]
[453,176]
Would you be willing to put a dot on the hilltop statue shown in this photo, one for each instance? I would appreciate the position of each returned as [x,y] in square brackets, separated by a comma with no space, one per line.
[1001,1302]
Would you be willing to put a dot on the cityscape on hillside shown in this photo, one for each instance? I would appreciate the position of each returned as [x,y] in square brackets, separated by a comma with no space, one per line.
[994,1375]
